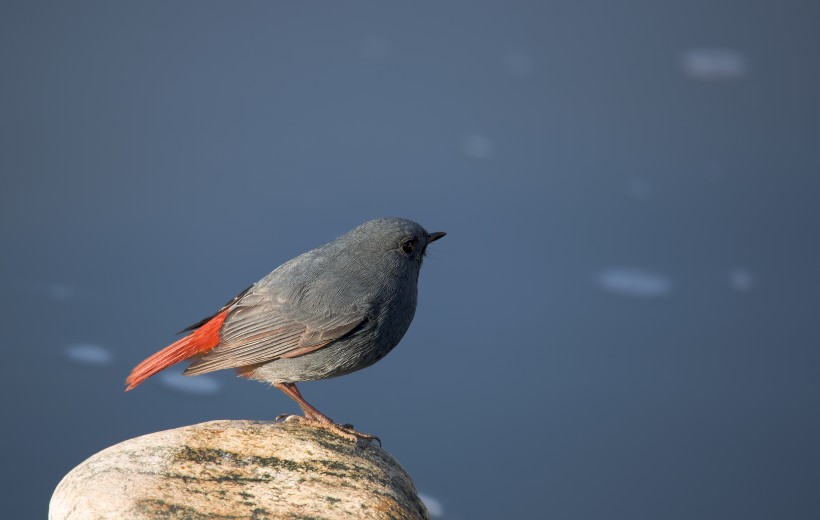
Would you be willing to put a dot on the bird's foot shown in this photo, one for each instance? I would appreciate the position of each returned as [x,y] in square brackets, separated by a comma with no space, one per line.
[343,430]
[346,430]
[286,417]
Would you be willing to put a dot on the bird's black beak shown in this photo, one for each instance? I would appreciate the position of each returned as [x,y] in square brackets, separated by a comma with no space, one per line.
[432,237]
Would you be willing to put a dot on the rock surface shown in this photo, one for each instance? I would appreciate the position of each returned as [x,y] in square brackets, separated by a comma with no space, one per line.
[238,469]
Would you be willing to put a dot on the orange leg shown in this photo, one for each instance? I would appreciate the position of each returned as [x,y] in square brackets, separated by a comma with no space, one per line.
[310,412]
[312,415]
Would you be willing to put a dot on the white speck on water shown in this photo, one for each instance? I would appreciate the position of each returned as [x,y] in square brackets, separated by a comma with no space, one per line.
[191,385]
[638,189]
[58,292]
[375,48]
[434,506]
[519,65]
[713,64]
[477,147]
[634,282]
[741,280]
[88,354]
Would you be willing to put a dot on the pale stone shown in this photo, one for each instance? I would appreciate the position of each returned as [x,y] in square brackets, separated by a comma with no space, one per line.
[238,469]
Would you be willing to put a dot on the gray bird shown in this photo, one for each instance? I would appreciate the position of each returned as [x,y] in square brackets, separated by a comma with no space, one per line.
[328,312]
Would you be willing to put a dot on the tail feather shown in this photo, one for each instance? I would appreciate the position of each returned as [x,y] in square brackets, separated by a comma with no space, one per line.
[198,342]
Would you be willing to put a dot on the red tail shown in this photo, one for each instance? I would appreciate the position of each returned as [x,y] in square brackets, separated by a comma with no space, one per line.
[200,341]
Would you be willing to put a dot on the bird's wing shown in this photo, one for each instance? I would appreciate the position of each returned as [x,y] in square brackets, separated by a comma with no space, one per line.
[262,328]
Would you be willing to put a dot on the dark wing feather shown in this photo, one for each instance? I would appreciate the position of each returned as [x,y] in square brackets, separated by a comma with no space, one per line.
[260,329]
[203,321]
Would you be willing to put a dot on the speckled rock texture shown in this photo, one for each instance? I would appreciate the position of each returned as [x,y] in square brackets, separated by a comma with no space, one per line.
[238,469]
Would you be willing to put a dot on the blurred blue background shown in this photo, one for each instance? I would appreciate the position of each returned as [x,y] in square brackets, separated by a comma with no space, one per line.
[621,323]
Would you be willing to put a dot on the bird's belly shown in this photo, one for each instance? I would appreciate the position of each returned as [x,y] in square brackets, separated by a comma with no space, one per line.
[367,345]
[339,358]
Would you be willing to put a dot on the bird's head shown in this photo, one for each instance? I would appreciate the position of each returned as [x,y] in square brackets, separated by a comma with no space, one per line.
[398,243]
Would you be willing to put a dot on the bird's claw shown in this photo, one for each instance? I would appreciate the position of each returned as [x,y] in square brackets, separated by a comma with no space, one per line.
[359,436]
[344,430]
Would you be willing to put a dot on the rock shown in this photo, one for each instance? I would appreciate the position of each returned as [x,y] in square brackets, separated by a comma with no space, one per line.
[238,469]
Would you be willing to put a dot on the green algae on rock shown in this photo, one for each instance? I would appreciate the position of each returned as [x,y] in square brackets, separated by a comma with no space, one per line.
[238,469]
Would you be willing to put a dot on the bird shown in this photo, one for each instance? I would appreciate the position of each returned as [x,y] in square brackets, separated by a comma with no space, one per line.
[336,309]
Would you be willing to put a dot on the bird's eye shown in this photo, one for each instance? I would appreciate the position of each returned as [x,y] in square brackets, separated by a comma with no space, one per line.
[408,247]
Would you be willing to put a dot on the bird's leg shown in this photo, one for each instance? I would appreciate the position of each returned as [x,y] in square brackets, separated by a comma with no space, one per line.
[316,417]
[311,413]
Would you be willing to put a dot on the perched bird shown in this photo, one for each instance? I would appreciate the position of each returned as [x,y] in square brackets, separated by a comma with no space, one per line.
[328,312]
